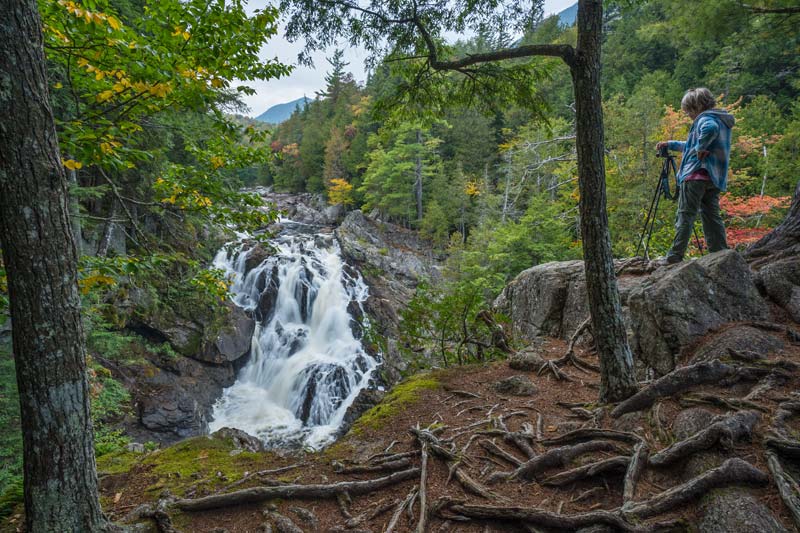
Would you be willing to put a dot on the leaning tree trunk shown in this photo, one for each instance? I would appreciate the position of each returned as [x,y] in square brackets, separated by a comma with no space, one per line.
[616,361]
[784,240]
[41,260]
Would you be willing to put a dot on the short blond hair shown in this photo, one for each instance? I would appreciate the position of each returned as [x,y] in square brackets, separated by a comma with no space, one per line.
[698,100]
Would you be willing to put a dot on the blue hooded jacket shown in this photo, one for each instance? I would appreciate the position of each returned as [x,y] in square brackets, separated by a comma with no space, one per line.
[710,131]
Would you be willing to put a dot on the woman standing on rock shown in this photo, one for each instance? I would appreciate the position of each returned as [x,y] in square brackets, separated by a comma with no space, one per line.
[703,173]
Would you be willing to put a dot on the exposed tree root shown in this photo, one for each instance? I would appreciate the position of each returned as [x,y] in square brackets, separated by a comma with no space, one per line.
[734,471]
[423,493]
[261,474]
[635,469]
[592,433]
[371,514]
[557,457]
[682,379]
[717,401]
[282,523]
[787,486]
[606,466]
[387,466]
[497,451]
[398,512]
[449,509]
[157,513]
[726,431]
[785,447]
[259,494]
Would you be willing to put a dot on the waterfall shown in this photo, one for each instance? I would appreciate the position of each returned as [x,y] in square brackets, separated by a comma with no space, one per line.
[307,364]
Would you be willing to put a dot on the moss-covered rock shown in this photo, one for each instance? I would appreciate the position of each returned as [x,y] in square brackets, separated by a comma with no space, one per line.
[402,395]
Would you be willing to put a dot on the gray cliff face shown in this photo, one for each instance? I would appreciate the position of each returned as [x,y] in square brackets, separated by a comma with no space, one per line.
[393,261]
[665,310]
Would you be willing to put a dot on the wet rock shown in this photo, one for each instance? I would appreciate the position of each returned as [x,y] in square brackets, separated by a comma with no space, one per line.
[745,340]
[677,305]
[232,342]
[516,385]
[174,399]
[526,360]
[329,380]
[367,399]
[780,281]
[172,410]
[242,442]
[256,254]
[269,295]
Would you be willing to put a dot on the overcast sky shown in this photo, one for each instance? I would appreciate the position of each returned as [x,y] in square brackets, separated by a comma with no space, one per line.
[306,81]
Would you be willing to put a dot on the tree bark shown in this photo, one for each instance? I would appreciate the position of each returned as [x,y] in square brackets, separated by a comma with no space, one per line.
[41,260]
[418,174]
[784,240]
[616,361]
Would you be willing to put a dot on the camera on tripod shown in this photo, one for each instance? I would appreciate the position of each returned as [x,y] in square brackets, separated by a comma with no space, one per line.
[663,151]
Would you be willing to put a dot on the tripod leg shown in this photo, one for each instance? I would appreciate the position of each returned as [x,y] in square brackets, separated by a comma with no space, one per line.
[650,213]
[652,225]
[697,240]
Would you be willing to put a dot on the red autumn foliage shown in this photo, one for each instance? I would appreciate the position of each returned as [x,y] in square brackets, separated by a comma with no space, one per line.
[755,205]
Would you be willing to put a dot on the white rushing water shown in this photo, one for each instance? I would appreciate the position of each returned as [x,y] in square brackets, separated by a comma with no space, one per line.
[306,365]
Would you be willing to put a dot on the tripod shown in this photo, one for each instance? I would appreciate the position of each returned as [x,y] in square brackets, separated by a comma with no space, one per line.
[662,189]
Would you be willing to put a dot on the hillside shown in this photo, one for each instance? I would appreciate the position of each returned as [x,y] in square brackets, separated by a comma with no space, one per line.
[281,112]
[568,16]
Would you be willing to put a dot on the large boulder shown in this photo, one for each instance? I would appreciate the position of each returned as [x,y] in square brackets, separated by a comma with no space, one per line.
[174,397]
[231,342]
[205,337]
[665,310]
[780,281]
[677,305]
[550,299]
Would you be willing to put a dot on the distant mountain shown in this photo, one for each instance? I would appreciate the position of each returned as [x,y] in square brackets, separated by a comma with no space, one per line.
[280,112]
[569,15]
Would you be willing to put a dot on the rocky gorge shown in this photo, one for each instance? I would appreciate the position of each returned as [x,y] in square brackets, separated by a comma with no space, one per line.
[173,395]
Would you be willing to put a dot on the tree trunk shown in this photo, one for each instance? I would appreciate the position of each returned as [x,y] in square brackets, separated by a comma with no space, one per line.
[616,361]
[41,260]
[784,240]
[418,183]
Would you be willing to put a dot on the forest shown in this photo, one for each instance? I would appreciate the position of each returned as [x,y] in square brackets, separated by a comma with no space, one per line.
[162,167]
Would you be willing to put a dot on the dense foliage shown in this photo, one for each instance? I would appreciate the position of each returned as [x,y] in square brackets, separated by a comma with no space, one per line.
[496,189]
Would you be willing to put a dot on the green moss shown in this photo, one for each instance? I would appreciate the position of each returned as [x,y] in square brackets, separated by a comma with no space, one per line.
[117,462]
[402,395]
[209,461]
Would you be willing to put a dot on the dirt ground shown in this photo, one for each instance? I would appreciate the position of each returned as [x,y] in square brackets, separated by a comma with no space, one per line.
[465,414]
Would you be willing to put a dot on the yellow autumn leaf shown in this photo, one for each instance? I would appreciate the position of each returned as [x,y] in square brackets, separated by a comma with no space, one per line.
[186,35]
[114,23]
[217,162]
[58,85]
[178,31]
[105,95]
[72,164]
[99,75]
[216,82]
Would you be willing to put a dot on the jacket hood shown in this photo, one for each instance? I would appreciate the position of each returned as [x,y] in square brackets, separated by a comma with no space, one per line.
[722,116]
